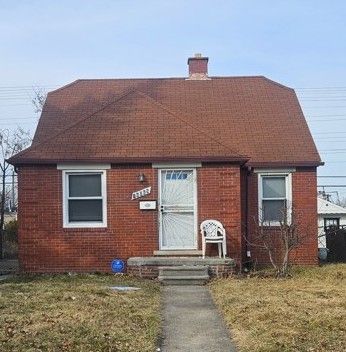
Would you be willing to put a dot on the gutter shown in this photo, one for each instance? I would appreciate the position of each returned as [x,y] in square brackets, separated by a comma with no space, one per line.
[275,164]
[125,160]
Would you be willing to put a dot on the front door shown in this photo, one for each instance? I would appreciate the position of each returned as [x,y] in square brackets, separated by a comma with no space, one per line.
[178,204]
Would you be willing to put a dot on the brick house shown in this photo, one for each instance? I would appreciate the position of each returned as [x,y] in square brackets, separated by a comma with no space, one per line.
[200,147]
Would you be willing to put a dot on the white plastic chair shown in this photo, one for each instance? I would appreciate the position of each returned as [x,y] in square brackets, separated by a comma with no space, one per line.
[212,231]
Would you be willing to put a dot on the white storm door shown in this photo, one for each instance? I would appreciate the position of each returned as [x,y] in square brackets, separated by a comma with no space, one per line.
[178,209]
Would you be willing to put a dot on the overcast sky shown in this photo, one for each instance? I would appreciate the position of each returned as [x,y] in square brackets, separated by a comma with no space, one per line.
[301,44]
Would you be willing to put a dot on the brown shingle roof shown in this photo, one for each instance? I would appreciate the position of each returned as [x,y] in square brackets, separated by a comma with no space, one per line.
[124,120]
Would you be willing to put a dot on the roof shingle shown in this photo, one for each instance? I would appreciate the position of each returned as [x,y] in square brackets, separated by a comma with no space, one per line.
[136,120]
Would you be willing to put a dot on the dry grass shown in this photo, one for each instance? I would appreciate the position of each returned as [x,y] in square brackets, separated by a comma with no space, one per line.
[303,313]
[78,313]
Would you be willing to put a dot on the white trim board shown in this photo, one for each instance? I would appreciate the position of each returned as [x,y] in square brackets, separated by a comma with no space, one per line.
[195,210]
[288,185]
[84,166]
[274,171]
[175,165]
[65,191]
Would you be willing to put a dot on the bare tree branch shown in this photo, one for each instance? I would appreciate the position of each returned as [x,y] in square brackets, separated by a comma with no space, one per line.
[279,241]
[39,99]
[11,142]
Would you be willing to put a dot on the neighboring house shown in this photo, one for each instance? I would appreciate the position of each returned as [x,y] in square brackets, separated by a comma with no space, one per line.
[329,214]
[199,147]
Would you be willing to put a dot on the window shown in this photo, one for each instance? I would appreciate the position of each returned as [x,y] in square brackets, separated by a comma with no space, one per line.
[331,222]
[274,198]
[176,175]
[84,199]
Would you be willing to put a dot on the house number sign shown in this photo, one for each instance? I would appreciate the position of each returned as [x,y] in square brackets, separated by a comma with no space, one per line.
[143,192]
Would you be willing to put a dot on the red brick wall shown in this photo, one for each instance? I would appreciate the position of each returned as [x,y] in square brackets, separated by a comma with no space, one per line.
[304,198]
[219,199]
[45,246]
[305,201]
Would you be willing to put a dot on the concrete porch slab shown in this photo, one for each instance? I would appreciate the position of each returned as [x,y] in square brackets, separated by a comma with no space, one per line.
[176,261]
[148,267]
[193,253]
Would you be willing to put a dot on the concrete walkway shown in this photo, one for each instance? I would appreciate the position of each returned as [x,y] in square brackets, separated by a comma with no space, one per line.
[191,322]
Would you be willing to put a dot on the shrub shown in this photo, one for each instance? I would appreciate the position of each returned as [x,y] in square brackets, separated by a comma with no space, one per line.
[10,243]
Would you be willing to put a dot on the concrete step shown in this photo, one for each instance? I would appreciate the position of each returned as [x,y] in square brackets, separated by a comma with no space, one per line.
[183,281]
[192,270]
[183,275]
[184,253]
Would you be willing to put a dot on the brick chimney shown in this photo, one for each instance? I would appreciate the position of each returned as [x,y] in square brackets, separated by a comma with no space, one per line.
[198,67]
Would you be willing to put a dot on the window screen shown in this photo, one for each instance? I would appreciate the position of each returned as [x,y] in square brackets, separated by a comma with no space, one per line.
[274,198]
[84,198]
[85,210]
[85,185]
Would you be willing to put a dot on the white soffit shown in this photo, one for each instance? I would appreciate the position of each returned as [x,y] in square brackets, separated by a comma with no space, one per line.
[274,171]
[84,166]
[175,165]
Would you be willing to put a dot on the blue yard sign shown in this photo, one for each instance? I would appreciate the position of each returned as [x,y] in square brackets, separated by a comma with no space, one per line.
[117,266]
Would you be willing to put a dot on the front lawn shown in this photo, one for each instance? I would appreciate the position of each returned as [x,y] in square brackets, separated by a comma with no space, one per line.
[303,313]
[78,313]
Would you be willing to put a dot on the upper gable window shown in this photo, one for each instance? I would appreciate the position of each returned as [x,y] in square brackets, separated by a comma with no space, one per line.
[274,199]
[84,199]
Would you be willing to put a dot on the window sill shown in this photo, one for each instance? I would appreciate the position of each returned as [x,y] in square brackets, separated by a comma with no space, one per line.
[85,225]
[273,224]
[92,230]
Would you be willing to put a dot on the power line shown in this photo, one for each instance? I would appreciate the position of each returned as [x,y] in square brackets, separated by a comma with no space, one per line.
[336,132]
[338,176]
[321,99]
[49,85]
[28,86]
[335,162]
[19,118]
[342,115]
[339,136]
[327,120]
[327,140]
[313,88]
[336,152]
[16,104]
[325,107]
[333,150]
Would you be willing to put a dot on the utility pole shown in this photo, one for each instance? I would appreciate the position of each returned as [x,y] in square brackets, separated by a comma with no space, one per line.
[13,195]
[2,209]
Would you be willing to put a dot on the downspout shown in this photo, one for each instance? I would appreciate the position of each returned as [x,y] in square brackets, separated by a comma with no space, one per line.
[247,247]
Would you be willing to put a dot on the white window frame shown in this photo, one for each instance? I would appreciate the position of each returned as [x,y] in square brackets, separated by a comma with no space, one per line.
[65,190]
[195,207]
[288,198]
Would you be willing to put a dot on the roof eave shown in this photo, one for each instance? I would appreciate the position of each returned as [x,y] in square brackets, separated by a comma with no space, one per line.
[274,164]
[126,160]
